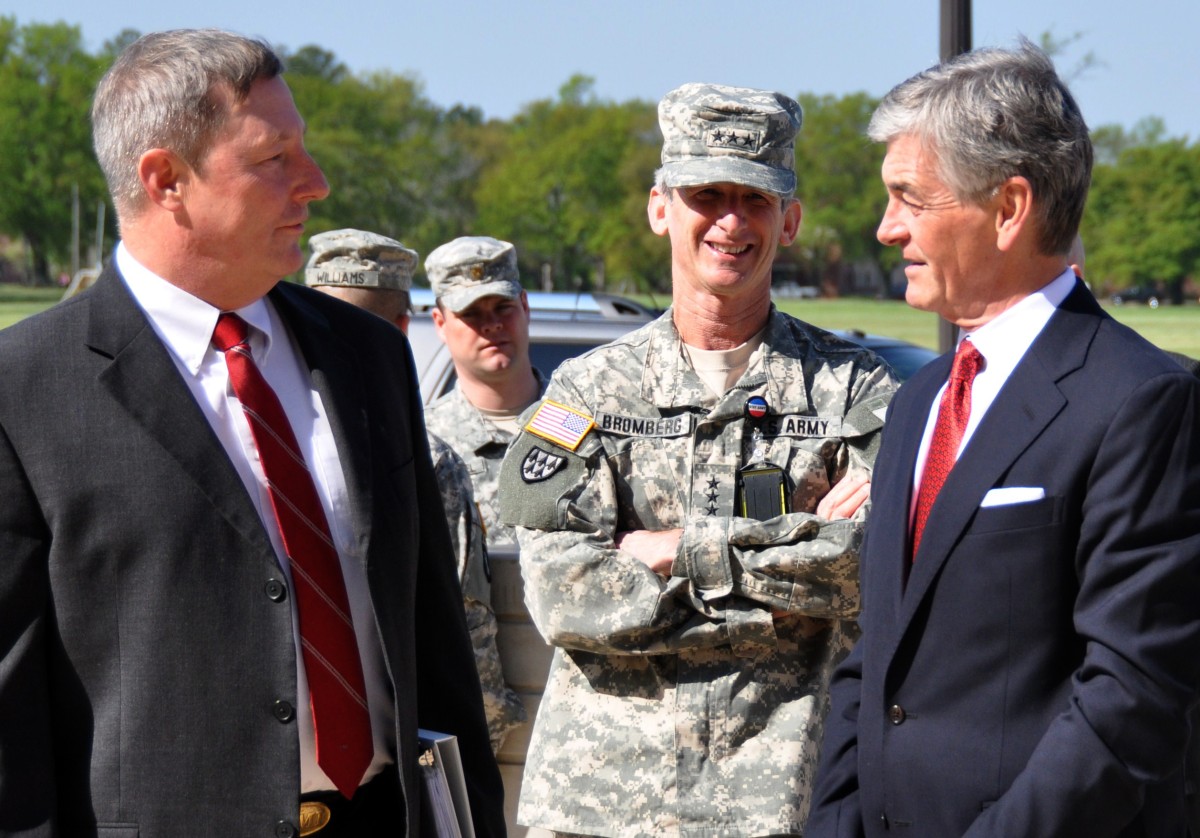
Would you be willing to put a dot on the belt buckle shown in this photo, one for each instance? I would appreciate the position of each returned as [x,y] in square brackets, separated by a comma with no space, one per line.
[314,816]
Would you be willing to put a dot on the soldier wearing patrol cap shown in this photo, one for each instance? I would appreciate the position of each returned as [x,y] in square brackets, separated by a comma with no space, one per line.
[365,269]
[375,273]
[690,502]
[482,316]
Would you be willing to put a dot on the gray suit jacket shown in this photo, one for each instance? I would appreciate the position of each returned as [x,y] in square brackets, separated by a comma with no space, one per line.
[147,678]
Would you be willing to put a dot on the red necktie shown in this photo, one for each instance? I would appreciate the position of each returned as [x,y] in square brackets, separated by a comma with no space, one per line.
[331,660]
[953,413]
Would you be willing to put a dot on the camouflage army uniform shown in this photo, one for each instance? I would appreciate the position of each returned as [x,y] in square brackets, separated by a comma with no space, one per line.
[501,705]
[691,706]
[481,445]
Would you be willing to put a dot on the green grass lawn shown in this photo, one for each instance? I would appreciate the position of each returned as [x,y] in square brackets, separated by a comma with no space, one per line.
[1171,327]
[19,301]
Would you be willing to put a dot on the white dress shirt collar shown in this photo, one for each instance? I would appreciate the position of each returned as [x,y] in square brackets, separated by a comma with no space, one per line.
[184,322]
[1004,340]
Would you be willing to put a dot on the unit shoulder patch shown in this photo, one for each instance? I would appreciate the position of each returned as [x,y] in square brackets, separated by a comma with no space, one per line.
[540,465]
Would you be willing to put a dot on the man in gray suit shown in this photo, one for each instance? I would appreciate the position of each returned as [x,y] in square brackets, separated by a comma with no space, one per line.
[226,593]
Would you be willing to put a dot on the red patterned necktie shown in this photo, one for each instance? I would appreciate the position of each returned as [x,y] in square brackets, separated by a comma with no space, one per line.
[331,659]
[953,413]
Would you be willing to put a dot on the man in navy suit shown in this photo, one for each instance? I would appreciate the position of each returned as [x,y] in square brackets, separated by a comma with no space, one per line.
[1028,668]
[226,604]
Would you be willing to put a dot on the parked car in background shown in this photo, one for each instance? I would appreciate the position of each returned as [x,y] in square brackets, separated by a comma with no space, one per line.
[561,326]
[1137,294]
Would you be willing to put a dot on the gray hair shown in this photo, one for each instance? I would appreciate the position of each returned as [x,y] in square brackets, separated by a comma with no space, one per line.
[169,90]
[993,114]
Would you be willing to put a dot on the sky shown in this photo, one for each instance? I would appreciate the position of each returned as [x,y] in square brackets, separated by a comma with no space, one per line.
[500,55]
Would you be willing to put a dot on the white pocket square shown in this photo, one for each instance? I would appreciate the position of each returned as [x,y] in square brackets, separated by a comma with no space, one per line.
[1009,495]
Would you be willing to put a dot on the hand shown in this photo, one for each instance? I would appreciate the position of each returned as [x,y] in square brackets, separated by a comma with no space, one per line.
[845,497]
[655,549]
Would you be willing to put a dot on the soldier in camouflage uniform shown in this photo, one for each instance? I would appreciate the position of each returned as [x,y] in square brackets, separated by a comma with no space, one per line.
[375,272]
[482,315]
[690,503]
[501,704]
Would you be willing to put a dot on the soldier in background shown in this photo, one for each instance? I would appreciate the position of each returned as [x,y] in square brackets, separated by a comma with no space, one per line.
[375,273]
[482,316]
[690,503]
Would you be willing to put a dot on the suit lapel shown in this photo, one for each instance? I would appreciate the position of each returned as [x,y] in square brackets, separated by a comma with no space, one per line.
[144,380]
[1025,406]
[339,382]
[888,523]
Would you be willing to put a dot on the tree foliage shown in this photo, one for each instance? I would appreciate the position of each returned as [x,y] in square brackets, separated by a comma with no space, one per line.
[46,85]
[837,175]
[1142,224]
[566,185]
[566,179]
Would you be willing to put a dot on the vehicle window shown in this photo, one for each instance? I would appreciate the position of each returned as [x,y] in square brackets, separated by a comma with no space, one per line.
[547,356]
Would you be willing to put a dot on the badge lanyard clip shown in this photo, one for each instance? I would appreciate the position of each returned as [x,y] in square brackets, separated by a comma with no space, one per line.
[762,485]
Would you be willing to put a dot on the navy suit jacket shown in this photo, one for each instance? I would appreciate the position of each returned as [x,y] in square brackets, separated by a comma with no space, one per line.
[147,660]
[1032,673]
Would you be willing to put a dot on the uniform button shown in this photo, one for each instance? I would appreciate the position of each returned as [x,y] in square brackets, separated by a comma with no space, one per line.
[283,711]
[896,714]
[883,821]
[276,590]
[283,829]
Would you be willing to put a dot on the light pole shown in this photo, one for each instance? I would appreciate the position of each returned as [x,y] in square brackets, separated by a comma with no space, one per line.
[955,39]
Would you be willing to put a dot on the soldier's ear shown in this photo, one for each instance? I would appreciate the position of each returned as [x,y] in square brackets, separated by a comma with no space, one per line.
[656,210]
[792,213]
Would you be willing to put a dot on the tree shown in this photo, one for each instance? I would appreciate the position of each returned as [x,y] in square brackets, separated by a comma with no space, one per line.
[1056,47]
[394,161]
[1142,223]
[1109,141]
[46,85]
[837,174]
[311,60]
[569,188]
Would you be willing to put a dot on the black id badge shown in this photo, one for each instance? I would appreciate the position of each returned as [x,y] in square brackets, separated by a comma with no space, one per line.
[762,491]
[762,486]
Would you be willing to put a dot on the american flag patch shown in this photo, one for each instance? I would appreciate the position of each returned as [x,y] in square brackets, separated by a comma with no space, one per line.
[560,424]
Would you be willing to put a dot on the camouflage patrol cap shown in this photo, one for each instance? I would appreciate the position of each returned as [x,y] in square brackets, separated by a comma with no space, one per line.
[470,268]
[718,134]
[359,259]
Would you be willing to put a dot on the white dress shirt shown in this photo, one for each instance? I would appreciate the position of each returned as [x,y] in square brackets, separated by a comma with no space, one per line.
[185,324]
[1003,342]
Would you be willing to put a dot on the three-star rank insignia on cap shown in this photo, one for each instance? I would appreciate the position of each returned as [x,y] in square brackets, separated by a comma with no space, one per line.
[560,424]
[540,465]
[738,138]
